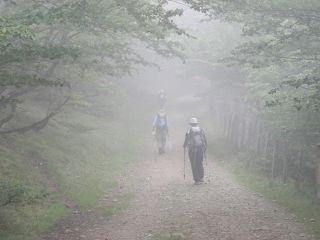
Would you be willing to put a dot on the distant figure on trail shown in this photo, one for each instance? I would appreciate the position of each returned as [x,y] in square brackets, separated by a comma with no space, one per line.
[162,98]
[196,142]
[160,130]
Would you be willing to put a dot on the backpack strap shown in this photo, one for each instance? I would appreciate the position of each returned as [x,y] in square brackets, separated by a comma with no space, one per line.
[192,134]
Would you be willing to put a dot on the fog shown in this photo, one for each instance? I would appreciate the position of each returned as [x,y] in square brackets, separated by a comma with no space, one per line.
[159,120]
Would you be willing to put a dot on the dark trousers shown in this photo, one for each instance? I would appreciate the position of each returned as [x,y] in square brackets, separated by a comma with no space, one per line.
[161,136]
[196,159]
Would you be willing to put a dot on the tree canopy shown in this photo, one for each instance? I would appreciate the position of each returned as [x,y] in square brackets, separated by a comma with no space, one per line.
[278,56]
[101,36]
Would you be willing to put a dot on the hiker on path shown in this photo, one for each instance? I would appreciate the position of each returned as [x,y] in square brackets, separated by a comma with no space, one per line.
[162,98]
[196,142]
[160,130]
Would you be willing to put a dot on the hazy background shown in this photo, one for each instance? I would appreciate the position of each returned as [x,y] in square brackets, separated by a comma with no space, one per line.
[78,93]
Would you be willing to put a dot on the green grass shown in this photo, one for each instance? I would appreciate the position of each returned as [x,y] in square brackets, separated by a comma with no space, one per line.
[169,236]
[119,202]
[30,221]
[304,205]
[80,154]
[85,166]
[32,214]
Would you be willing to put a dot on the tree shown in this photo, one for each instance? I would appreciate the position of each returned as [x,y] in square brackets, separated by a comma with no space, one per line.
[279,57]
[40,40]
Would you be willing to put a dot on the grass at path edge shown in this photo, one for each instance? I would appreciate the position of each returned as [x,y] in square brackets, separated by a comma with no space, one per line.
[303,205]
[82,155]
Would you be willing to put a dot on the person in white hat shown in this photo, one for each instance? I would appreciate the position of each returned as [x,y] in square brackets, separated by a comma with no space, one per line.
[196,142]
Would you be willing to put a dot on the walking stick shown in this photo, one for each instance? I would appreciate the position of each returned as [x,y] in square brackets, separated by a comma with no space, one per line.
[184,163]
[154,146]
[205,156]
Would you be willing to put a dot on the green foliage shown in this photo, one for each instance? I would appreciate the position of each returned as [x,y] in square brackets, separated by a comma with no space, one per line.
[29,221]
[303,204]
[282,44]
[119,202]
[22,80]
[46,44]
[27,207]
[10,194]
[248,169]
[82,168]
[103,31]
[278,95]
[169,236]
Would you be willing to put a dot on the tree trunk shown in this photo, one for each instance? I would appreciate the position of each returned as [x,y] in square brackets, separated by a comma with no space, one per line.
[225,125]
[243,133]
[234,134]
[318,172]
[285,163]
[258,137]
[298,177]
[229,134]
[266,146]
[249,134]
[274,159]
[254,133]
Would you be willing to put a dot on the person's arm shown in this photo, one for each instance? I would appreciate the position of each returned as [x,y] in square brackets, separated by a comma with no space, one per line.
[155,121]
[167,127]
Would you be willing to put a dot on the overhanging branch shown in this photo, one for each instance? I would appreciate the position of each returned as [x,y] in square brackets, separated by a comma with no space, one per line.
[43,122]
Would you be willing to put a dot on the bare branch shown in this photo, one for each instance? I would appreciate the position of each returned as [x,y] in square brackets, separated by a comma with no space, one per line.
[10,116]
[37,125]
[42,123]
[178,2]
[17,93]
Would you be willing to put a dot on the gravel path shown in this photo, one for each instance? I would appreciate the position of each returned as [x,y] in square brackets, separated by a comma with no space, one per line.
[165,206]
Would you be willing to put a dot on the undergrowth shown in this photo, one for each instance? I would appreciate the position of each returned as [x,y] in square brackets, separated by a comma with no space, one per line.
[78,156]
[169,236]
[302,204]
[118,203]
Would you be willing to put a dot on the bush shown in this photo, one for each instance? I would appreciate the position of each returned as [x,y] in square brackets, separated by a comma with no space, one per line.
[11,193]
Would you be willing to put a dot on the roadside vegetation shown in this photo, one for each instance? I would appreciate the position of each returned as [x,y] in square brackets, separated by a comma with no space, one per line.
[303,204]
[44,177]
[67,109]
[264,96]
[67,128]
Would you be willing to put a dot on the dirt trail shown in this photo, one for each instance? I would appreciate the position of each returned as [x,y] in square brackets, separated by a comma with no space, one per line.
[165,206]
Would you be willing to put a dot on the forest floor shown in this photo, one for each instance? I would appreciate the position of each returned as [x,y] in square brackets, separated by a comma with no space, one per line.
[154,202]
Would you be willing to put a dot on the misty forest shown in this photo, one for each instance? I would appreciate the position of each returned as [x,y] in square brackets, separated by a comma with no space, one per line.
[159,119]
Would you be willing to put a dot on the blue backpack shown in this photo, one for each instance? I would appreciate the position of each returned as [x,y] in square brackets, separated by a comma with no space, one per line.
[162,122]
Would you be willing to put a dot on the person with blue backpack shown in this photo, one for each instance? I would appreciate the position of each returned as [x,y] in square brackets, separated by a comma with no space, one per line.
[160,130]
[196,143]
